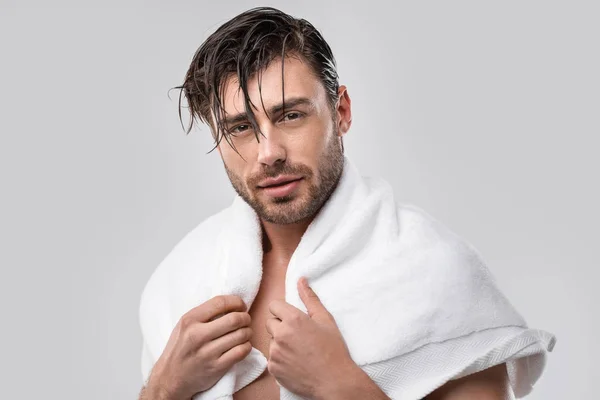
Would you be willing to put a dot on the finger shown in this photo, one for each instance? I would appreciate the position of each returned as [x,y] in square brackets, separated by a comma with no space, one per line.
[283,310]
[309,298]
[227,323]
[234,355]
[217,307]
[269,350]
[215,348]
[271,325]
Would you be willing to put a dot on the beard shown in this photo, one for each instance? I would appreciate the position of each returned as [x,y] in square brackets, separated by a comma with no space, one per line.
[300,204]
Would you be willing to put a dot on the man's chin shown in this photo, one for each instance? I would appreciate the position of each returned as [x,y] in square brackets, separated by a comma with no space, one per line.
[268,200]
[281,211]
[281,219]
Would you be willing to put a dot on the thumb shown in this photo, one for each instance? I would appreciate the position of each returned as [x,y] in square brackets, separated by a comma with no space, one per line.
[310,299]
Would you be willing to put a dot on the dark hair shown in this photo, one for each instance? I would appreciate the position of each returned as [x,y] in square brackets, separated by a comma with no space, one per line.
[244,46]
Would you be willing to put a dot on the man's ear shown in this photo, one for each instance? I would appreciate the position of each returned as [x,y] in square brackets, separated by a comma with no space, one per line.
[344,111]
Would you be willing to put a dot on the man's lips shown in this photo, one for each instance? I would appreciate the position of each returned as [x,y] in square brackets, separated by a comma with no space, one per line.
[284,189]
[278,181]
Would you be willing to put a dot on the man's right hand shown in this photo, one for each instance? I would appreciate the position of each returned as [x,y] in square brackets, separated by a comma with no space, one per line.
[206,342]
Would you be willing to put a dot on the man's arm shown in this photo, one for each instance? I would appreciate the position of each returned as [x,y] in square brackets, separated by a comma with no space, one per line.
[357,385]
[153,390]
[149,393]
[143,394]
[489,384]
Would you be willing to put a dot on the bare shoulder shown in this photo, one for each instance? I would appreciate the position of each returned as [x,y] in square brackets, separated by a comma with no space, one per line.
[489,384]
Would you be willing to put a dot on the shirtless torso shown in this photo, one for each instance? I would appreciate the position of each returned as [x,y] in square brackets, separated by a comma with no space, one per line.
[272,287]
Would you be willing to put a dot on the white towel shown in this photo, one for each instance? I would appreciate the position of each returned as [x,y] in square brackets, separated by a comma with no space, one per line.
[415,303]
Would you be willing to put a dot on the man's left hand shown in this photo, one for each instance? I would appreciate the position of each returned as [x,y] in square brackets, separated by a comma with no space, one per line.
[307,353]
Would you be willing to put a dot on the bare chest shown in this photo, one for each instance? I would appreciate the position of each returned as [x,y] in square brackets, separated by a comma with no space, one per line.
[272,287]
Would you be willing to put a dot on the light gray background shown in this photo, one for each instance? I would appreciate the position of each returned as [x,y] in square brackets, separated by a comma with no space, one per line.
[485,115]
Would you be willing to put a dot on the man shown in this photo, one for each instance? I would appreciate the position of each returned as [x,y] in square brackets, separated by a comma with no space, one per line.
[267,84]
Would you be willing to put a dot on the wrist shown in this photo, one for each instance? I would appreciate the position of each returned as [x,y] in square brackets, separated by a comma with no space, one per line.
[156,390]
[342,385]
[157,393]
[352,383]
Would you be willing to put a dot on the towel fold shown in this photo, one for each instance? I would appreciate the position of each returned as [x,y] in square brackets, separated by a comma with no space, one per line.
[414,302]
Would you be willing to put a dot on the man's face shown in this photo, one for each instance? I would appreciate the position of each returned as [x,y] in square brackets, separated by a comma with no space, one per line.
[303,143]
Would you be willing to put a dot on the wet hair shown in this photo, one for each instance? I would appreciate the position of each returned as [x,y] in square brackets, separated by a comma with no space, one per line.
[242,47]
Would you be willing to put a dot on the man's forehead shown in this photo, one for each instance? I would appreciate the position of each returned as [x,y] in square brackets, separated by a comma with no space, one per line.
[267,87]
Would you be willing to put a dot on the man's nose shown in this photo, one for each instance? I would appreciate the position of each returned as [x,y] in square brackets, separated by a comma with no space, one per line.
[271,146]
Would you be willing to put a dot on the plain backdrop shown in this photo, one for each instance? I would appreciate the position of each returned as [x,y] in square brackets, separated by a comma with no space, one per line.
[485,114]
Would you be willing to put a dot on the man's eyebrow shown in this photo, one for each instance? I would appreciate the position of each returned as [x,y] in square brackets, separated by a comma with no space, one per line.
[276,109]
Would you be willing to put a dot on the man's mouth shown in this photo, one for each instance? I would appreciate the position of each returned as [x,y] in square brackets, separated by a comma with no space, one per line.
[278,181]
[281,189]
[281,184]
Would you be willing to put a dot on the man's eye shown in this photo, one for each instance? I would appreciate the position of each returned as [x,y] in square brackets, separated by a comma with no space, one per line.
[240,128]
[291,116]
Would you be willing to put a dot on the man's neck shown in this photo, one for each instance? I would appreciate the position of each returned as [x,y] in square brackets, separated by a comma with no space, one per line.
[280,241]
